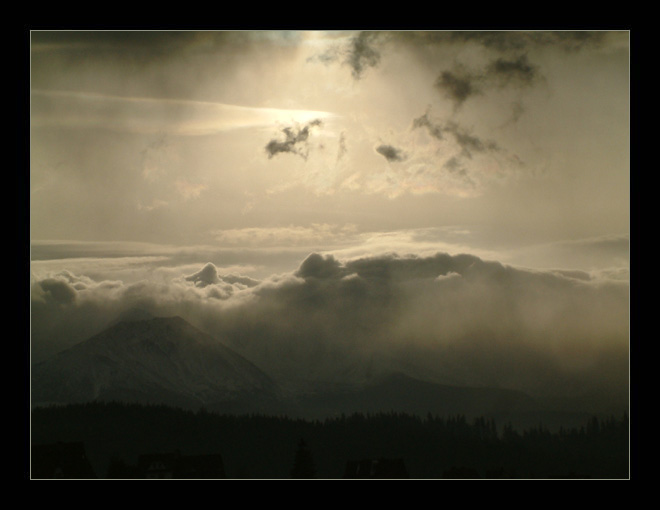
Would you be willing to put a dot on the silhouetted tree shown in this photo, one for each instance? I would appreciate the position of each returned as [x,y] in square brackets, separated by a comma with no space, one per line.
[118,469]
[303,464]
[460,472]
[431,447]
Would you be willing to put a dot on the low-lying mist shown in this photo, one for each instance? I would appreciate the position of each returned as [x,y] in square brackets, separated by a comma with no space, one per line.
[448,319]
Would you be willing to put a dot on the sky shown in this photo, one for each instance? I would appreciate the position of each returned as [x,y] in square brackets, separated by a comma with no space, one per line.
[457,203]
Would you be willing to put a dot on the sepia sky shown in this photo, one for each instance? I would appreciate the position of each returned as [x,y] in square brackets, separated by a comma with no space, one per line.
[154,154]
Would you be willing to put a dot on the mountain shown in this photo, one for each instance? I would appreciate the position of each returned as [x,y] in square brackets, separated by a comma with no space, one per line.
[157,361]
[145,359]
[132,315]
[402,393]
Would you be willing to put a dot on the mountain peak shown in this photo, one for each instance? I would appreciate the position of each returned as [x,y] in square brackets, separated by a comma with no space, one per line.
[140,315]
[159,360]
[133,315]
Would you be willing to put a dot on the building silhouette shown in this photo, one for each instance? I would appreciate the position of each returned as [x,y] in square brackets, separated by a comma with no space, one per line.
[60,460]
[376,468]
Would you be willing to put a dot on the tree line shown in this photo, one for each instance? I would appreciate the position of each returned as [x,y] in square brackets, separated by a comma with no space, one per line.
[261,446]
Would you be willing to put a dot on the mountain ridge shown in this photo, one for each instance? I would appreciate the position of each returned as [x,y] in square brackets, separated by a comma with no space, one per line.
[166,360]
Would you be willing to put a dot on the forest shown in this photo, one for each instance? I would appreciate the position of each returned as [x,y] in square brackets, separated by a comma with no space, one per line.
[115,435]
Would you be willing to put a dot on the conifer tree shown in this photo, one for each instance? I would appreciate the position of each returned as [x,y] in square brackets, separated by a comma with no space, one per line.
[303,464]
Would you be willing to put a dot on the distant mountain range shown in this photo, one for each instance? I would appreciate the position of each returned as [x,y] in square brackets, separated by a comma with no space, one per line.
[168,361]
[401,393]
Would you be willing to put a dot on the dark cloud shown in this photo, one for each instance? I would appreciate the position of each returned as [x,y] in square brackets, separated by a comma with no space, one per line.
[362,54]
[518,71]
[365,51]
[506,50]
[342,150]
[454,313]
[453,164]
[434,129]
[469,143]
[458,85]
[147,46]
[58,291]
[517,110]
[102,40]
[359,54]
[390,153]
[149,63]
[503,41]
[457,169]
[294,142]
[499,41]
[570,40]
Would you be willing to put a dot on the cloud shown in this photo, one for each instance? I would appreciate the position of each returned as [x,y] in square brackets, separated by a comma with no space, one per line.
[517,111]
[287,236]
[57,290]
[208,275]
[447,276]
[329,56]
[469,143]
[154,115]
[152,47]
[365,50]
[154,156]
[390,153]
[505,41]
[362,54]
[455,319]
[341,150]
[239,279]
[506,51]
[468,177]
[359,52]
[434,129]
[457,168]
[154,205]
[456,161]
[609,253]
[294,142]
[458,85]
[318,266]
[188,190]
[518,71]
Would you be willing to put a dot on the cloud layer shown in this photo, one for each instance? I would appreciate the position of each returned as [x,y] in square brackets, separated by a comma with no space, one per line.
[453,319]
[276,232]
[154,115]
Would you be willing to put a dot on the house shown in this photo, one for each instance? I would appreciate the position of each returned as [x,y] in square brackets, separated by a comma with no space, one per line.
[60,460]
[376,468]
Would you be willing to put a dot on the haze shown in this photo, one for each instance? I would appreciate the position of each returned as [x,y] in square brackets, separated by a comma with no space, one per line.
[329,204]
